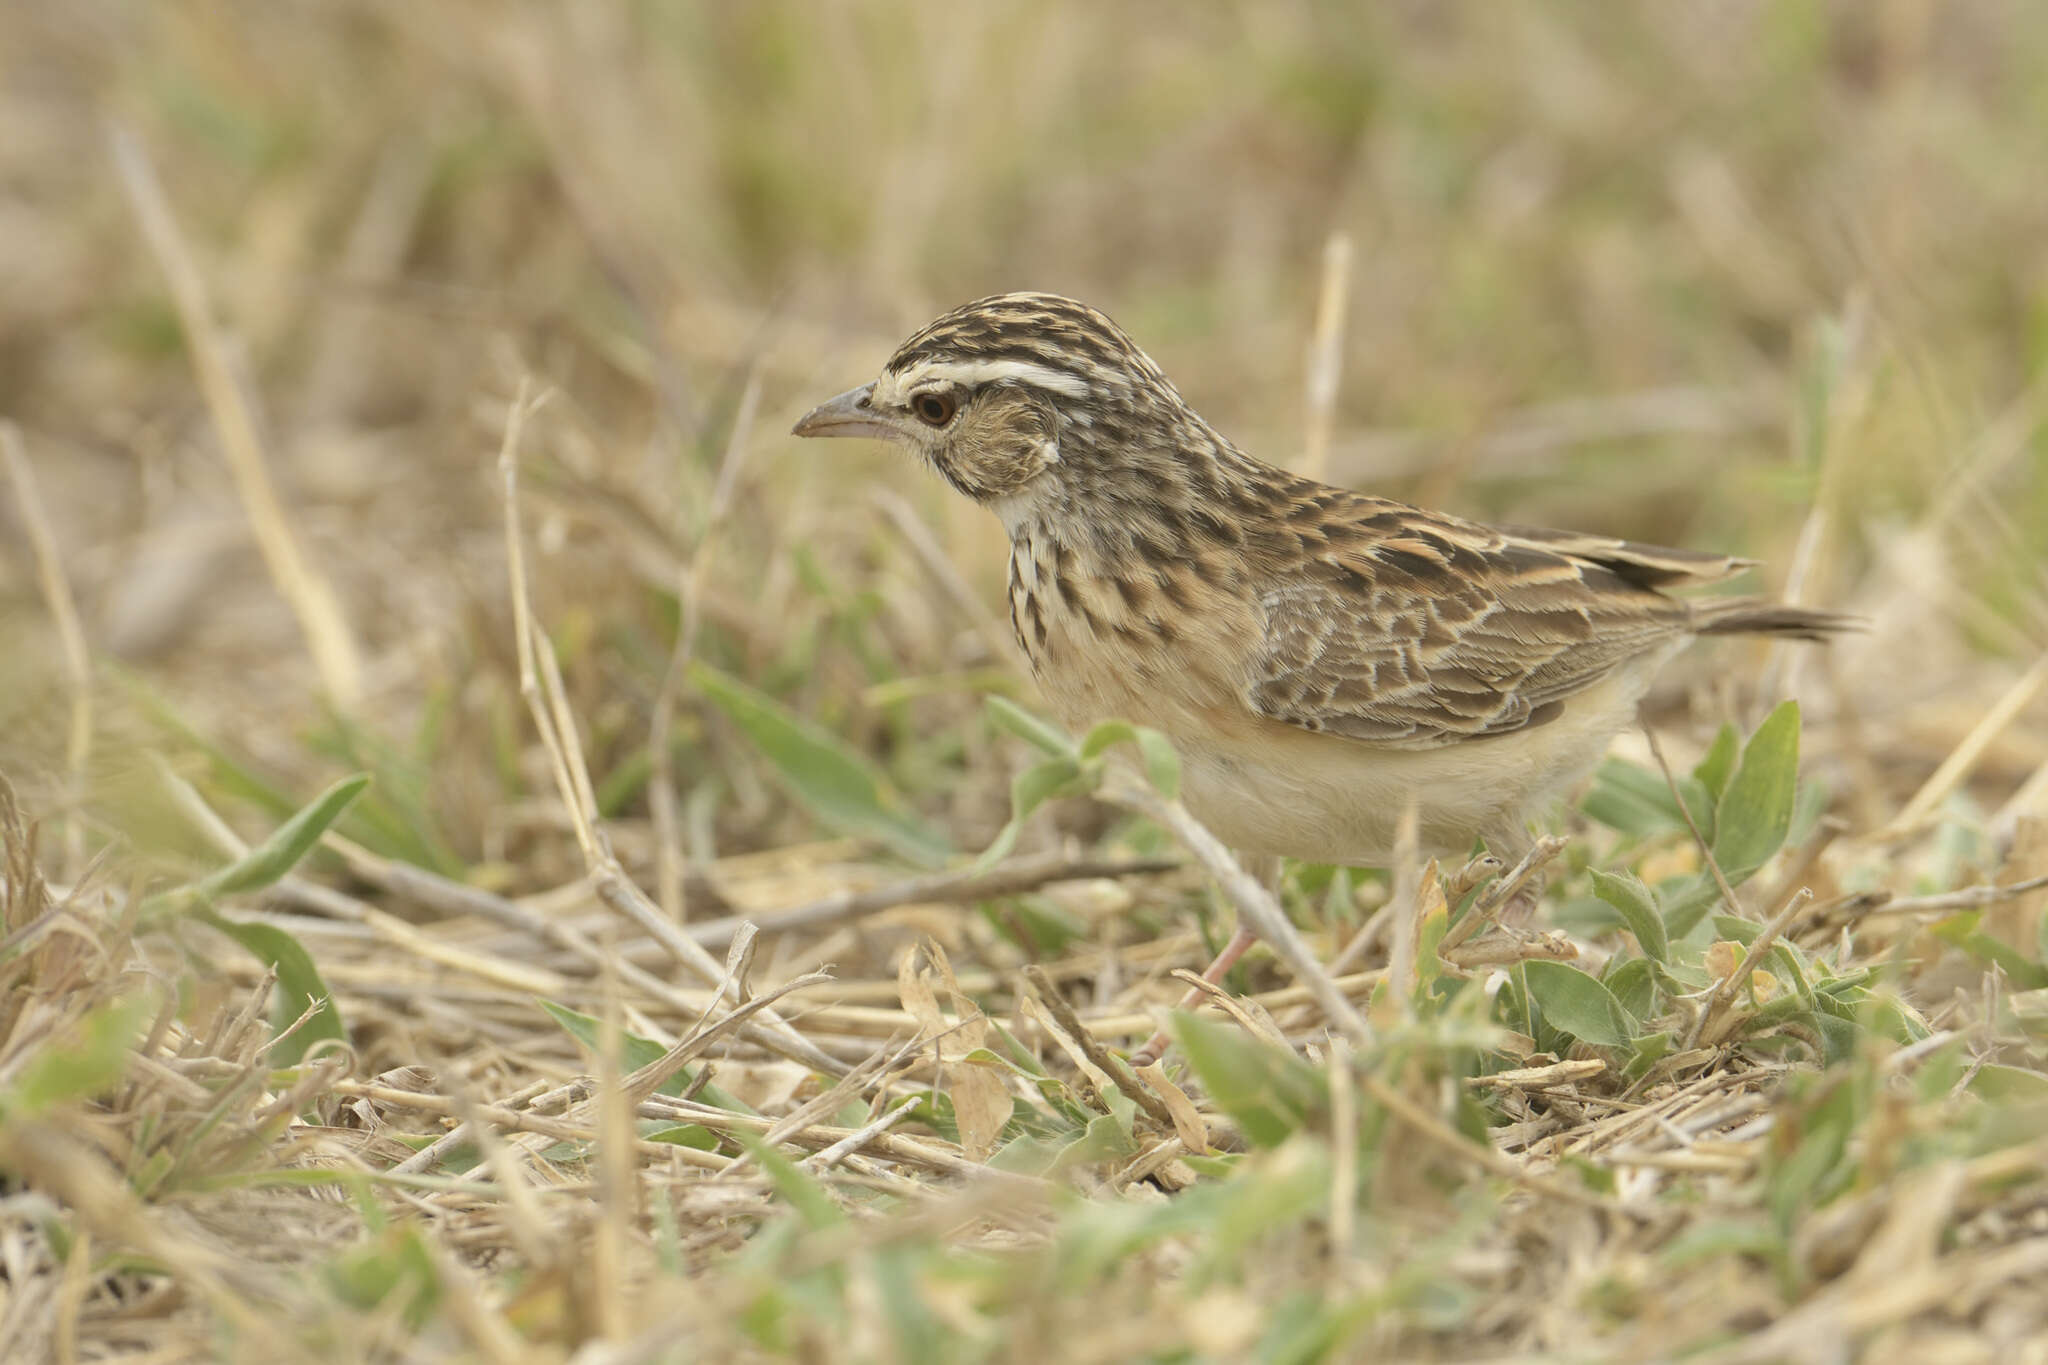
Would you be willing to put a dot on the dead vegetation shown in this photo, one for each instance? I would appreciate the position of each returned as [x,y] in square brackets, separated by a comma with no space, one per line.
[399,391]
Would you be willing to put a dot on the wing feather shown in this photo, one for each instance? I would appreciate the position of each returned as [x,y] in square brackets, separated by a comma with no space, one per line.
[1409,629]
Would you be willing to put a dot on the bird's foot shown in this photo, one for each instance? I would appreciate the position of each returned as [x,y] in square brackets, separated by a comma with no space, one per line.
[1240,942]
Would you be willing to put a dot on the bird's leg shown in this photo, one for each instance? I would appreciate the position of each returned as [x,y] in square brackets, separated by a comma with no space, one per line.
[1265,868]
[1514,898]
[1520,906]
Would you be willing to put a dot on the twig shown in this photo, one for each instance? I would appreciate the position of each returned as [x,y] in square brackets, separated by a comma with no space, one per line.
[1804,860]
[1540,1077]
[1967,898]
[647,1079]
[1498,950]
[1254,903]
[827,1102]
[893,1146]
[1253,1017]
[520,1206]
[1026,873]
[1062,1011]
[517,1120]
[828,1157]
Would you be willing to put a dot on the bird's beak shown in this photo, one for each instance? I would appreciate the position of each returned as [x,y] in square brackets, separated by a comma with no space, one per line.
[846,415]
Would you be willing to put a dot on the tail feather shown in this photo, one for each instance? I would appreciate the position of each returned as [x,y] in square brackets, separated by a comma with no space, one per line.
[1755,616]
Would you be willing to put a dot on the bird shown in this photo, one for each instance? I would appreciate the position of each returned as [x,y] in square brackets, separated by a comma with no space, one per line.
[1321,659]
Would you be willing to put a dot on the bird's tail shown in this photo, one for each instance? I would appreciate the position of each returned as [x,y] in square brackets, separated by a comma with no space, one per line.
[1754,616]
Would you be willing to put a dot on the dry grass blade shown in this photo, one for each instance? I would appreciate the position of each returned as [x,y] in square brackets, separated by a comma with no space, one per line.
[1326,353]
[1966,755]
[540,683]
[70,635]
[312,597]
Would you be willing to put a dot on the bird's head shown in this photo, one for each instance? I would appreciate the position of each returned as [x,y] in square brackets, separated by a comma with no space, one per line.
[1023,400]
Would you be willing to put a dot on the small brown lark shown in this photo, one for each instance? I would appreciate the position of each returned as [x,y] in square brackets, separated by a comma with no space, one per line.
[1320,658]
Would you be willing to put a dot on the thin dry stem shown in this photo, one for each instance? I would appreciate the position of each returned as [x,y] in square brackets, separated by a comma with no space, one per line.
[1326,353]
[312,599]
[63,610]
[1963,759]
[1254,903]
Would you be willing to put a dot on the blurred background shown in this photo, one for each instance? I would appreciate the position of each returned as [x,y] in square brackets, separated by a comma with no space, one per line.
[1770,278]
[1747,275]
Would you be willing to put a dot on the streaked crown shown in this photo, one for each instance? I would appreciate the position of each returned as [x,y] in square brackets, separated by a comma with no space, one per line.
[1055,343]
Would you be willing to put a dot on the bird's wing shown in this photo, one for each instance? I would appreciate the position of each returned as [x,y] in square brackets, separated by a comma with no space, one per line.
[1414,630]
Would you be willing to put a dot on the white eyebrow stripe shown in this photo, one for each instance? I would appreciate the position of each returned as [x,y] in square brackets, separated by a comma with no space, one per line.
[973,372]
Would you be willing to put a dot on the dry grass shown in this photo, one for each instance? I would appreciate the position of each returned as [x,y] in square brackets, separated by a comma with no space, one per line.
[668,1019]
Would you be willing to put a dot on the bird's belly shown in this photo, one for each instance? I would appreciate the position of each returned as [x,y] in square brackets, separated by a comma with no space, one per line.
[1327,799]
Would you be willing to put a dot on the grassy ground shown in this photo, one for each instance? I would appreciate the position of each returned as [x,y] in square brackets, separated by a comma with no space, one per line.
[474,1061]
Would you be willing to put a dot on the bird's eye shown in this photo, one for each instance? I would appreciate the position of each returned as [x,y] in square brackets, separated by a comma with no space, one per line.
[934,409]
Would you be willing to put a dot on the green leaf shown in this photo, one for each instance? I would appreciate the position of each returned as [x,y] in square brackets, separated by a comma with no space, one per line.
[270,860]
[692,1135]
[1106,736]
[1637,906]
[1102,1140]
[1162,764]
[812,1201]
[88,1060]
[1962,931]
[1812,1149]
[1633,984]
[1025,1155]
[1039,734]
[1646,1051]
[2009,1084]
[1714,770]
[1598,1179]
[229,772]
[999,847]
[1754,813]
[393,1267]
[1030,789]
[396,817]
[836,784]
[1577,1004]
[1686,902]
[1715,1238]
[298,986]
[1041,782]
[1269,1092]
[1034,923]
